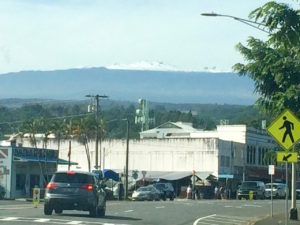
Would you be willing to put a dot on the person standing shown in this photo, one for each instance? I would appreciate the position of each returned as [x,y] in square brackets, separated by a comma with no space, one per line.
[216,192]
[188,192]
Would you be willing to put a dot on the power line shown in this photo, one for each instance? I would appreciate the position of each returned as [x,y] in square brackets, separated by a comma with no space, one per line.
[53,118]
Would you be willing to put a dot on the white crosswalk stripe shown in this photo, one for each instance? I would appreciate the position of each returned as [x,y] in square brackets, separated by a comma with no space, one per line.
[52,221]
[222,220]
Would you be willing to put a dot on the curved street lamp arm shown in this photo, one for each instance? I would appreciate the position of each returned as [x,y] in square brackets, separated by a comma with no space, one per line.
[245,21]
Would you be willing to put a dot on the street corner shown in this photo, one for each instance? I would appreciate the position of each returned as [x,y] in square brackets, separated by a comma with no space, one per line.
[276,219]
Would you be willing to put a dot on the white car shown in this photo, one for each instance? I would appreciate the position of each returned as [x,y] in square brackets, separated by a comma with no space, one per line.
[298,189]
[279,190]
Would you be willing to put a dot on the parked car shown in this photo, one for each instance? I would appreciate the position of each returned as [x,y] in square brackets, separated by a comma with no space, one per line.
[2,192]
[279,190]
[75,191]
[149,193]
[298,189]
[167,190]
[258,188]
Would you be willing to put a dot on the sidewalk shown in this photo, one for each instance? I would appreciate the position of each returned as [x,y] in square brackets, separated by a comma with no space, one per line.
[277,219]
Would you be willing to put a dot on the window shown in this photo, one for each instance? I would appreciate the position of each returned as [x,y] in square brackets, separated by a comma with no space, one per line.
[73,178]
[225,161]
[259,156]
[20,181]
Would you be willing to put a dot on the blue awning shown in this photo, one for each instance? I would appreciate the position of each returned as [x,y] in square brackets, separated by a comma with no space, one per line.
[43,160]
[228,176]
[110,174]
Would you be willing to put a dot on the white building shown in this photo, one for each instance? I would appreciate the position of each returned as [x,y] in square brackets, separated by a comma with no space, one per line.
[177,149]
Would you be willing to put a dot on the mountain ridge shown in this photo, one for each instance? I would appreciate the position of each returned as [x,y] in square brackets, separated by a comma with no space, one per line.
[129,85]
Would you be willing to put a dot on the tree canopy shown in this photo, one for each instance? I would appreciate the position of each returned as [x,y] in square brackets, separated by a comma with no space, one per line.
[274,64]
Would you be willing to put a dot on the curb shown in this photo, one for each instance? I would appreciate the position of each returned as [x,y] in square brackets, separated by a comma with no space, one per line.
[257,220]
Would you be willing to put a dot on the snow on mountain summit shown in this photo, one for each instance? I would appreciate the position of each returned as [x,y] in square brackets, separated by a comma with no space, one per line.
[143,65]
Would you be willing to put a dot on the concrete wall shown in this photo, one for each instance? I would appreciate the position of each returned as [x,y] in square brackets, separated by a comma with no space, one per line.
[201,154]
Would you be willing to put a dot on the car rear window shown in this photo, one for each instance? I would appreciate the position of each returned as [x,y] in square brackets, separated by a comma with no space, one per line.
[249,185]
[160,186]
[269,186]
[145,189]
[77,178]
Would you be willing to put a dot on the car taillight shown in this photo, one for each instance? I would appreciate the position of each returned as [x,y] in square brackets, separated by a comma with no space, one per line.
[70,172]
[51,186]
[88,187]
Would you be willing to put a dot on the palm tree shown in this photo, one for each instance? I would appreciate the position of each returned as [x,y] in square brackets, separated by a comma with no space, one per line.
[270,157]
[60,130]
[33,127]
[84,131]
[102,132]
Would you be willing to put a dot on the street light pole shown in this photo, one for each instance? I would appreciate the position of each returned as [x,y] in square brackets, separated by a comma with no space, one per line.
[250,23]
[127,159]
[256,25]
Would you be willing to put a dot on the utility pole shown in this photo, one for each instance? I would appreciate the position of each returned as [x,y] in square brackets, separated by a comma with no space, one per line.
[96,98]
[127,159]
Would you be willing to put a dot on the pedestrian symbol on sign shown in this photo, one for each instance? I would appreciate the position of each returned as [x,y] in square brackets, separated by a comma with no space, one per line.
[285,129]
[289,126]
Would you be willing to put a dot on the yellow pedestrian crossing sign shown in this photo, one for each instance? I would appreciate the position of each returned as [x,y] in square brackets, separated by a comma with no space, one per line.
[285,129]
[287,157]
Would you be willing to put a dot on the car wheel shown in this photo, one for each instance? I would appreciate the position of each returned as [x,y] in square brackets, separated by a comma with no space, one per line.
[101,210]
[47,209]
[94,211]
[58,211]
[171,198]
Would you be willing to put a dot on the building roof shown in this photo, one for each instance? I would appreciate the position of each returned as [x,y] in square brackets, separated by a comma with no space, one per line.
[170,130]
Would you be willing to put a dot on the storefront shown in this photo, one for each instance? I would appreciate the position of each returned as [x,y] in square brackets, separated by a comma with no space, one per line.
[22,168]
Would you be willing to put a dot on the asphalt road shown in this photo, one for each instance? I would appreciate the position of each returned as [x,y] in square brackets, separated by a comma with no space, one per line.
[178,212]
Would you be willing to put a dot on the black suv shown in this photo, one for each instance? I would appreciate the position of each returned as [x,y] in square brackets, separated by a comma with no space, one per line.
[166,189]
[257,187]
[75,191]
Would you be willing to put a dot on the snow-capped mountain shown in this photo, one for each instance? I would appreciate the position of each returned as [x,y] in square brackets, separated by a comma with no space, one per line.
[144,65]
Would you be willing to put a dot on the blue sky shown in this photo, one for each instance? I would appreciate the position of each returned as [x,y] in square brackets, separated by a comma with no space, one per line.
[61,34]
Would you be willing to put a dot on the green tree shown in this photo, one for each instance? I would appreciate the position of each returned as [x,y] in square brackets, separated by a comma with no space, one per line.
[84,130]
[60,130]
[274,64]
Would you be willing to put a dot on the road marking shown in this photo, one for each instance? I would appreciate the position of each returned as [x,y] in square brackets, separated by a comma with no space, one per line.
[41,220]
[207,223]
[13,208]
[231,218]
[74,222]
[219,219]
[259,206]
[228,206]
[9,219]
[202,218]
[160,207]
[127,211]
[53,221]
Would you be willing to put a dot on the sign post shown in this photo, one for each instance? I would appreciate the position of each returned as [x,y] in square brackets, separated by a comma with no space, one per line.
[271,172]
[285,129]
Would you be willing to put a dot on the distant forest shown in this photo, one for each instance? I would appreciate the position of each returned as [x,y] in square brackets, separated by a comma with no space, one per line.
[14,112]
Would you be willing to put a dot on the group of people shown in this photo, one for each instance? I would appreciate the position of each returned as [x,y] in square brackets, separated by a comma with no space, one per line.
[221,192]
